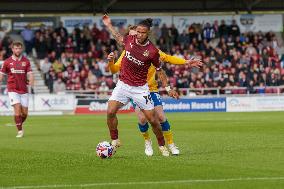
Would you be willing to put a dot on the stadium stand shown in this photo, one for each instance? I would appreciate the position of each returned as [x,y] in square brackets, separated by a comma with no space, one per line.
[77,61]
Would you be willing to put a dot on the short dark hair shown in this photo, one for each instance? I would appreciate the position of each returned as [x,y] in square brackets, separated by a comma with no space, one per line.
[17,43]
[148,22]
[132,27]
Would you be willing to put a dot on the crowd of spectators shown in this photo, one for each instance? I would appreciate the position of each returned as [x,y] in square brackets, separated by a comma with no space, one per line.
[77,60]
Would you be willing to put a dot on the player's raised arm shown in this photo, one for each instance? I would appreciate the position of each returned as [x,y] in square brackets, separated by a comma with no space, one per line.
[192,62]
[117,36]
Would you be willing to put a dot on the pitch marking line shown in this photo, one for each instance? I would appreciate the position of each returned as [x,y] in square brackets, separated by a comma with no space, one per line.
[146,183]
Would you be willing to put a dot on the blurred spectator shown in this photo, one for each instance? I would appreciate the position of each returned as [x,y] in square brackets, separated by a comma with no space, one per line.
[61,29]
[41,47]
[2,33]
[59,86]
[208,32]
[223,29]
[45,66]
[234,29]
[28,36]
[103,90]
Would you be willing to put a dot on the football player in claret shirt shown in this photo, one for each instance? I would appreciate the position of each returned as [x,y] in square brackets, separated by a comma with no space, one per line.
[140,53]
[19,73]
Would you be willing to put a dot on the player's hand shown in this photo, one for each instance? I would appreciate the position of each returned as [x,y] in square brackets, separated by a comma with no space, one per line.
[106,20]
[172,93]
[110,57]
[31,83]
[194,62]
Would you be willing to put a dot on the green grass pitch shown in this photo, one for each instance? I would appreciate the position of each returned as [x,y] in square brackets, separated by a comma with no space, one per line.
[218,150]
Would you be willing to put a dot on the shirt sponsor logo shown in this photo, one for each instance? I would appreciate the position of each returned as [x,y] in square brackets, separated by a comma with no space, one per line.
[133,59]
[17,71]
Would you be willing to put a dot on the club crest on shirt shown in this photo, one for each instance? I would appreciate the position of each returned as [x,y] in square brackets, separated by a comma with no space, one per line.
[23,63]
[131,45]
[146,53]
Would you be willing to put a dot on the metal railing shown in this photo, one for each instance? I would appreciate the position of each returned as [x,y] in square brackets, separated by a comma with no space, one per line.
[184,92]
[190,92]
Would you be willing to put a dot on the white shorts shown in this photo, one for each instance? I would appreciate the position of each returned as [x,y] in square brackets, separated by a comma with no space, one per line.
[16,98]
[140,95]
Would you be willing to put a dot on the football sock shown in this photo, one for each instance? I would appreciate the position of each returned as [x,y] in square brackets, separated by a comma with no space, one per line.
[144,131]
[167,132]
[24,117]
[113,134]
[168,136]
[18,121]
[161,141]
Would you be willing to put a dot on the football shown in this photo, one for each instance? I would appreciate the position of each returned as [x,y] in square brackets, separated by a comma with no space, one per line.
[104,150]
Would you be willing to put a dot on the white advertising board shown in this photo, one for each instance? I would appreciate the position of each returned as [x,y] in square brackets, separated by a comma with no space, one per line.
[54,102]
[6,107]
[251,104]
[70,22]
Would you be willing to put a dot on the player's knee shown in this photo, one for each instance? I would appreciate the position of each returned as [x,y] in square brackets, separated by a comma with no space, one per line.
[162,118]
[17,114]
[142,120]
[24,114]
[111,112]
[152,120]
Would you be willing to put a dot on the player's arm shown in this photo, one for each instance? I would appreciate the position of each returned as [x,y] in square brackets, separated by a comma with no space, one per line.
[193,62]
[117,36]
[31,78]
[162,76]
[30,74]
[164,80]
[115,67]
[1,78]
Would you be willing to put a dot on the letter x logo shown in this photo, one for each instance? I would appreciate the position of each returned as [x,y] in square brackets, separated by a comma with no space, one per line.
[3,103]
[46,102]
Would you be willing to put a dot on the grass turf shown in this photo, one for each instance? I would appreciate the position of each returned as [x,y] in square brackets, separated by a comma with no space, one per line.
[215,147]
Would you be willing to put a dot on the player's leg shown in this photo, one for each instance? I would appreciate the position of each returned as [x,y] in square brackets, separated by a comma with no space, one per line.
[142,98]
[144,127]
[156,127]
[112,121]
[18,119]
[24,113]
[116,101]
[166,128]
[24,106]
[15,102]
[164,122]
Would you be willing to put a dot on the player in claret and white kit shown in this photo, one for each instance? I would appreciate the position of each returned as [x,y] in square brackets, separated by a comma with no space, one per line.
[18,68]
[132,84]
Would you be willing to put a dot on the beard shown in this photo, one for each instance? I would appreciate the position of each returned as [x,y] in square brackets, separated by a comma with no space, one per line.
[17,54]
